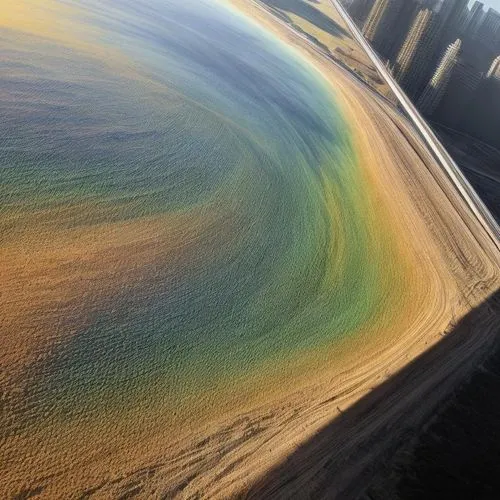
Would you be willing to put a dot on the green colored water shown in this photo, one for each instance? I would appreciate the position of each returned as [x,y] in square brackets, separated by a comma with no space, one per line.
[212,122]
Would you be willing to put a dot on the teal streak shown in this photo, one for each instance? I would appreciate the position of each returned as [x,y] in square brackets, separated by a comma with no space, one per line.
[221,118]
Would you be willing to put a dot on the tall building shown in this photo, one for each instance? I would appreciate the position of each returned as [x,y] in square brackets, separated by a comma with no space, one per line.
[456,103]
[476,18]
[452,11]
[414,58]
[379,25]
[489,32]
[462,22]
[494,71]
[453,14]
[406,16]
[435,89]
[452,17]
[483,120]
[359,10]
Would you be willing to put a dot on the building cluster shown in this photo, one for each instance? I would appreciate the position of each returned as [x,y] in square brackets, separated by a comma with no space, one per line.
[444,54]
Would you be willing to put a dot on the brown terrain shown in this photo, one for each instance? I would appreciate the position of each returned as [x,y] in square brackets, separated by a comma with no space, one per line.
[328,438]
[324,440]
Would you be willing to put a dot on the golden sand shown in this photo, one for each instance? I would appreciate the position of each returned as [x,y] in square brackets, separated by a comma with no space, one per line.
[447,256]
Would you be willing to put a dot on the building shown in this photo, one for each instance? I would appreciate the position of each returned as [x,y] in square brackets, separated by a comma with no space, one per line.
[454,14]
[452,11]
[406,16]
[359,10]
[379,25]
[462,22]
[494,71]
[456,103]
[435,89]
[477,16]
[483,120]
[489,31]
[415,57]
[452,18]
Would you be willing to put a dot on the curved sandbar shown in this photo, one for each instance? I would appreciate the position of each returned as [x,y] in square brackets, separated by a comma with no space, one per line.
[178,328]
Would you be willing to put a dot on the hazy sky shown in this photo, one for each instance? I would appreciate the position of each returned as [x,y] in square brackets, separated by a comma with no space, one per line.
[490,3]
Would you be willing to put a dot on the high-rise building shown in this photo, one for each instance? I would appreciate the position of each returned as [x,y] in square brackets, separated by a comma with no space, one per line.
[454,15]
[476,18]
[462,22]
[489,32]
[451,17]
[452,11]
[483,119]
[406,16]
[434,91]
[413,60]
[466,76]
[494,71]
[379,25]
[359,10]
[458,96]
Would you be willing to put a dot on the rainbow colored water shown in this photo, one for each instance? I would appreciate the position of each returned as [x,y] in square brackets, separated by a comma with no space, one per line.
[182,209]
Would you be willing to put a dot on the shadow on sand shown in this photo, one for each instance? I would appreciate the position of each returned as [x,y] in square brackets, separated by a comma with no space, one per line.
[310,13]
[342,458]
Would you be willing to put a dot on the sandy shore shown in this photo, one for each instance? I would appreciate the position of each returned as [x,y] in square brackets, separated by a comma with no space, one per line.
[452,267]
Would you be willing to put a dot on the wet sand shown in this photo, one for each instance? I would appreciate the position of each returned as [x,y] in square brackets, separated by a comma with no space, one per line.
[451,267]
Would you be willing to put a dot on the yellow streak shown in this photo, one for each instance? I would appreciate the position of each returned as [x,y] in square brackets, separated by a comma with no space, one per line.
[45,18]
